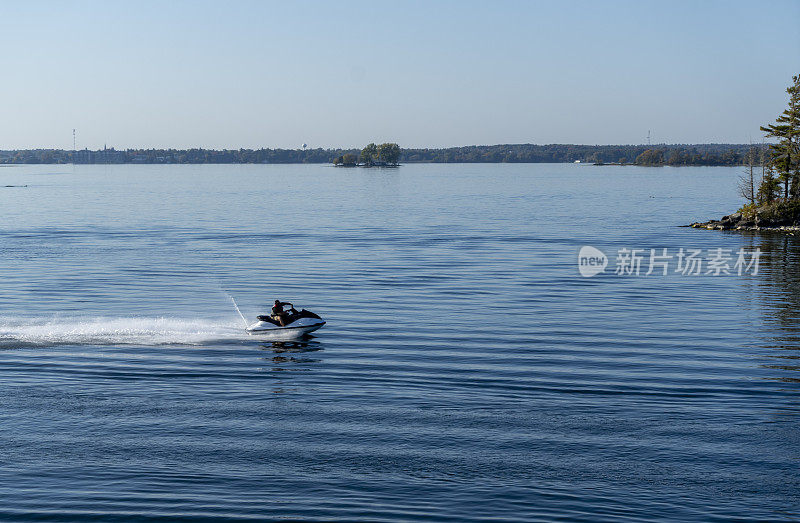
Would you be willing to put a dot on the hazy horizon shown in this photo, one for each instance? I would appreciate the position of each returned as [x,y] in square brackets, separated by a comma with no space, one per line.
[357,147]
[255,75]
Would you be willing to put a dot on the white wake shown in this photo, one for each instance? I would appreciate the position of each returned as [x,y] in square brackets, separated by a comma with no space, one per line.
[116,331]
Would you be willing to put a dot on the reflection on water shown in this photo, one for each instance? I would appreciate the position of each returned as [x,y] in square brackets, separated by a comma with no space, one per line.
[283,360]
[779,291]
[308,344]
[484,379]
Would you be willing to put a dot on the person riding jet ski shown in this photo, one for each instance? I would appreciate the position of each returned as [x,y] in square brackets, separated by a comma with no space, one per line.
[278,314]
[291,323]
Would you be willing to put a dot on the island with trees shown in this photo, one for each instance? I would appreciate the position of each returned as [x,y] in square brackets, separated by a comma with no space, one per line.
[383,155]
[773,195]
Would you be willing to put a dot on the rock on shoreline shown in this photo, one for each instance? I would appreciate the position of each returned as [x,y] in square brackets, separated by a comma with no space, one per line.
[775,217]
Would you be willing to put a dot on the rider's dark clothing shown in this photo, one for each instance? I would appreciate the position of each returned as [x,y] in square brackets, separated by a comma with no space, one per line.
[278,314]
[278,307]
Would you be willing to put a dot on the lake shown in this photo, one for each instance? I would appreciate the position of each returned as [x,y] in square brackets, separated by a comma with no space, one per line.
[468,372]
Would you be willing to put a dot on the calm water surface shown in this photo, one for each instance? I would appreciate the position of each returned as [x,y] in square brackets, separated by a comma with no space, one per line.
[467,372]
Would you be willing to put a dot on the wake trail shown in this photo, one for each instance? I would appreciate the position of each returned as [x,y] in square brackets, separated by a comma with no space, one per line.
[115,331]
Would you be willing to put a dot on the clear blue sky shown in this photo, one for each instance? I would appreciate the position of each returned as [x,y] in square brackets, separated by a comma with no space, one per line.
[261,74]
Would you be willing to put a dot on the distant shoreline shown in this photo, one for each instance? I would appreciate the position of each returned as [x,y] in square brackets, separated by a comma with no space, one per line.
[641,155]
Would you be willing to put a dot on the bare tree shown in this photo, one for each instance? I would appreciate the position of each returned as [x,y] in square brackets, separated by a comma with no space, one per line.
[747,182]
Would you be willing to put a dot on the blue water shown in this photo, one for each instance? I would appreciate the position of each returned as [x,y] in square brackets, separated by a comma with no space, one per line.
[467,371]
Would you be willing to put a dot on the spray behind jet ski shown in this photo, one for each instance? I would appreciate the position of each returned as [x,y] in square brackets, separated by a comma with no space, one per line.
[237,310]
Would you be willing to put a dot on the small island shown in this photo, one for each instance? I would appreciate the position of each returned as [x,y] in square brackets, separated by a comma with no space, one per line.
[383,155]
[773,198]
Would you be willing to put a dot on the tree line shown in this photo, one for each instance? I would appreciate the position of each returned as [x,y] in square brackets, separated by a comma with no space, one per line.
[193,156]
[657,155]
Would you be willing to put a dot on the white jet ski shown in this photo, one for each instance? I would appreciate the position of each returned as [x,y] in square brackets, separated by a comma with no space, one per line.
[298,323]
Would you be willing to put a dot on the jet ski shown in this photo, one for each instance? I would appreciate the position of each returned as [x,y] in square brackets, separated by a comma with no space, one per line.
[297,324]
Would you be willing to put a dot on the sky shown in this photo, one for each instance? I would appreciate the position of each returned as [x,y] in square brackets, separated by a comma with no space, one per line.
[255,74]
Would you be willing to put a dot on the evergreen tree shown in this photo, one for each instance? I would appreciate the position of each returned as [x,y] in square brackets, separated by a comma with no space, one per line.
[770,187]
[785,154]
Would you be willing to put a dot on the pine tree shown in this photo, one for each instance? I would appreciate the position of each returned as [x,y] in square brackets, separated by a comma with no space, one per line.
[786,153]
[770,187]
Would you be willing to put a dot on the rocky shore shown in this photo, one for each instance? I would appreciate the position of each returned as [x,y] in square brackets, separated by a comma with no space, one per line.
[782,217]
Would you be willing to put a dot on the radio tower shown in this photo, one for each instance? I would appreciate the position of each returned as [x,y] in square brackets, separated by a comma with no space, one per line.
[74,151]
[648,137]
